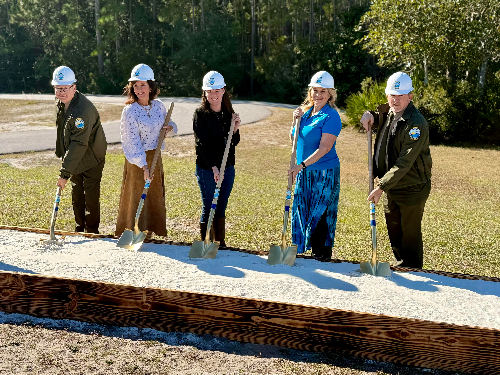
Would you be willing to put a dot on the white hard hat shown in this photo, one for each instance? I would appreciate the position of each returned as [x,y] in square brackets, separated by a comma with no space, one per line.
[322,79]
[142,72]
[212,81]
[399,84]
[63,76]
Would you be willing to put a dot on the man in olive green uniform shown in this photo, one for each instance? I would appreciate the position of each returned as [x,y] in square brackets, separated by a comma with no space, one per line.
[81,144]
[402,163]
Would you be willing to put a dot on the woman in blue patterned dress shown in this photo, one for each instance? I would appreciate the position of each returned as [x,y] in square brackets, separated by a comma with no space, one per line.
[316,196]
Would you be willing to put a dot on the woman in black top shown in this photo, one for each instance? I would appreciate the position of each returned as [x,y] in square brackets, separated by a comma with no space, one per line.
[211,124]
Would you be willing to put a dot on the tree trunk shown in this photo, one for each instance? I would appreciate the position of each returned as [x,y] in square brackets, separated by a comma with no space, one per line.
[252,47]
[482,75]
[426,76]
[268,24]
[153,34]
[311,21]
[192,13]
[130,22]
[100,62]
[334,15]
[202,16]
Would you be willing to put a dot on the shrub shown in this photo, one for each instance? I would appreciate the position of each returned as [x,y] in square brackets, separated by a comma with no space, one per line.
[368,99]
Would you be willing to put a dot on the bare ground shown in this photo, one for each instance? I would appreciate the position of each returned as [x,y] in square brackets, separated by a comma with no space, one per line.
[30,349]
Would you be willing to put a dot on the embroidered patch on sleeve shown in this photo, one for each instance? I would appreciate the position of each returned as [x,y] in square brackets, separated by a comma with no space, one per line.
[79,123]
[414,133]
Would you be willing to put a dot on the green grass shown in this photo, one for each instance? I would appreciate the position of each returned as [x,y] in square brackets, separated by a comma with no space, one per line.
[460,225]
[21,112]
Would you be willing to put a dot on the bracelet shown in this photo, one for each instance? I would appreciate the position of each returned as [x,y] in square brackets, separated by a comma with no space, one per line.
[303,165]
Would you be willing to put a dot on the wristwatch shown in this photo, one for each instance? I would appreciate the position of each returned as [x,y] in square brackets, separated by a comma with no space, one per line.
[303,165]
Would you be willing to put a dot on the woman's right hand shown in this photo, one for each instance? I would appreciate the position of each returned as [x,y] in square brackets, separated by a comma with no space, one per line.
[216,172]
[298,112]
[146,173]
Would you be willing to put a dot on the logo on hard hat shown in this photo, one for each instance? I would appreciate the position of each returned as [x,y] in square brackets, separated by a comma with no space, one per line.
[137,72]
[396,85]
[60,76]
[211,81]
[319,80]
[414,133]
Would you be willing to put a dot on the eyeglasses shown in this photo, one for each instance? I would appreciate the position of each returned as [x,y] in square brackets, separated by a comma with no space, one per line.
[62,90]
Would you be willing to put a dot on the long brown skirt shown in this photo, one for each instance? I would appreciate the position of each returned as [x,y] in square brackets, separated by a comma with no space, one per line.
[153,215]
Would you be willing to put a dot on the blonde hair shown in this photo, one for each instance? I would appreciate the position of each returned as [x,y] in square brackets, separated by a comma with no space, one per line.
[308,101]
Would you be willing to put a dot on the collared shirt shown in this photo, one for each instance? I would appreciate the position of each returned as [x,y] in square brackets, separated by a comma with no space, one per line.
[327,120]
[140,127]
[389,127]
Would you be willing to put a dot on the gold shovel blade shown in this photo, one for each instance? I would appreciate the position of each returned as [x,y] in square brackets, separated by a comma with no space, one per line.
[52,241]
[379,269]
[202,249]
[277,255]
[131,240]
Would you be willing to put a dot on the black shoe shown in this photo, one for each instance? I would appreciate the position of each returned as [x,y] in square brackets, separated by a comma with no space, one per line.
[322,257]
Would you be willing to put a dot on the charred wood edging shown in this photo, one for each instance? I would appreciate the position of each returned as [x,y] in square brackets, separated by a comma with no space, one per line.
[378,337]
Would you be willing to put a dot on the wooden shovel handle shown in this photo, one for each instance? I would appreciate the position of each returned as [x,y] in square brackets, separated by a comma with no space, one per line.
[370,161]
[161,137]
[372,205]
[226,153]
[288,200]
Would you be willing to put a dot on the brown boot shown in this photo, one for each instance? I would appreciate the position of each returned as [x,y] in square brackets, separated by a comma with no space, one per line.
[220,231]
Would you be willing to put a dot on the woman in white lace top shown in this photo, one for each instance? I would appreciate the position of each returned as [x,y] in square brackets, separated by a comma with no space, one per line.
[142,120]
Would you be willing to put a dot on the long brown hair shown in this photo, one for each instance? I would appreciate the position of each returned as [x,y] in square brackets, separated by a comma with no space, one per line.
[128,90]
[308,101]
[226,102]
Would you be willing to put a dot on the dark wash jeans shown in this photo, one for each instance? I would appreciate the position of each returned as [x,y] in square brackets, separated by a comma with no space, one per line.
[207,184]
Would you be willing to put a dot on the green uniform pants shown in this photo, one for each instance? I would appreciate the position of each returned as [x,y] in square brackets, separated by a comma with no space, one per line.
[404,225]
[86,190]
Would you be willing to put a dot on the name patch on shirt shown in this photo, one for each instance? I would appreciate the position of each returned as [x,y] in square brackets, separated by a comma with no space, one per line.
[414,133]
[79,123]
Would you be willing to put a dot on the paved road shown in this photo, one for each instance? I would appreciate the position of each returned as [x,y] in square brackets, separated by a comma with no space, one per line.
[44,139]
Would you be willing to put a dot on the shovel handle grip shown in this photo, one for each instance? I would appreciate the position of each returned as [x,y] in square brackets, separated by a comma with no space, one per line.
[57,199]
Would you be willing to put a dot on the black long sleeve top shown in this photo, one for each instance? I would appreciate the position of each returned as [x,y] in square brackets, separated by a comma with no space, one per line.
[211,130]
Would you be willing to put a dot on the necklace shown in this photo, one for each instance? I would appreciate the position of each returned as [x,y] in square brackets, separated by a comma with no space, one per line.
[147,108]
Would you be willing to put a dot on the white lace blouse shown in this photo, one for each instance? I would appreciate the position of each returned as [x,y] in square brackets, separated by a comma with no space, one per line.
[140,127]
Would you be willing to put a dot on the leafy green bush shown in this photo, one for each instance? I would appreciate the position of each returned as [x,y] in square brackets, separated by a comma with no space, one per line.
[461,112]
[368,99]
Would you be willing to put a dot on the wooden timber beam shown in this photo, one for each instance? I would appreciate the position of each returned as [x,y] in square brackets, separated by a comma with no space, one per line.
[377,337]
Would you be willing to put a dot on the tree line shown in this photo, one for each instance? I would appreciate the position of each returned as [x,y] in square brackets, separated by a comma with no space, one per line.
[266,49]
